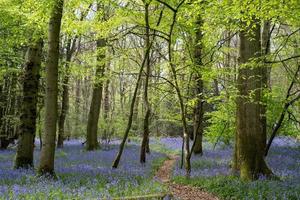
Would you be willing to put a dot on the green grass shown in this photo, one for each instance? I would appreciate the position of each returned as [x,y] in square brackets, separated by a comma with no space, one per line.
[232,188]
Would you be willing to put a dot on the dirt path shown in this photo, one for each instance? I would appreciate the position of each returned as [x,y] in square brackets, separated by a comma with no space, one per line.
[180,191]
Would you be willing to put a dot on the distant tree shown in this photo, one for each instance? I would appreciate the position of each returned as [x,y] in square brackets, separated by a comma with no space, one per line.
[92,126]
[65,93]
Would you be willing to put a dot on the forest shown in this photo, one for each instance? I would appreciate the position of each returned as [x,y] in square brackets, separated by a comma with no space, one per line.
[150,99]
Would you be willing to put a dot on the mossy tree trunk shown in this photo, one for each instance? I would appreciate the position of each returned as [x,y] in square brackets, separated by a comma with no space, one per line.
[48,148]
[251,138]
[93,118]
[27,128]
[198,109]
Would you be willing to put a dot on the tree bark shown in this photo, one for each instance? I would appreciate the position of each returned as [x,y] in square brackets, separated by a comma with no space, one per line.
[249,126]
[146,130]
[93,118]
[77,107]
[106,107]
[48,148]
[198,109]
[136,121]
[65,95]
[27,128]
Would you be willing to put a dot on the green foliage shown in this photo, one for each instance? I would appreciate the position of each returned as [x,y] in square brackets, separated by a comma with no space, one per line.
[275,104]
[221,121]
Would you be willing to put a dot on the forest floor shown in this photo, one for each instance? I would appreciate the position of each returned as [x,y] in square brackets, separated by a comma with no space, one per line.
[88,175]
[83,175]
[179,191]
[211,172]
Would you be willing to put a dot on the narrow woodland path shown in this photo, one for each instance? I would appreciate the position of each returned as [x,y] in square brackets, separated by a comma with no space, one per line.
[178,191]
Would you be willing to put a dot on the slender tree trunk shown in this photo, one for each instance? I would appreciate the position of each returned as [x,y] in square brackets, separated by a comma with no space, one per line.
[286,106]
[249,126]
[136,121]
[39,127]
[77,106]
[122,145]
[93,118]
[27,128]
[130,119]
[122,91]
[65,95]
[48,148]
[106,107]
[186,135]
[146,130]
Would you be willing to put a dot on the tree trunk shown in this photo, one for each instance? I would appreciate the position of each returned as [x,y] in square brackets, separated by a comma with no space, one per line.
[198,109]
[106,107]
[27,128]
[136,121]
[146,130]
[122,145]
[77,107]
[48,148]
[249,126]
[126,134]
[65,95]
[93,118]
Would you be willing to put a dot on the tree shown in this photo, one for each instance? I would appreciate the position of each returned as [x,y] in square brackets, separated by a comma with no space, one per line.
[65,94]
[92,126]
[48,149]
[198,109]
[250,132]
[27,129]
[146,130]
